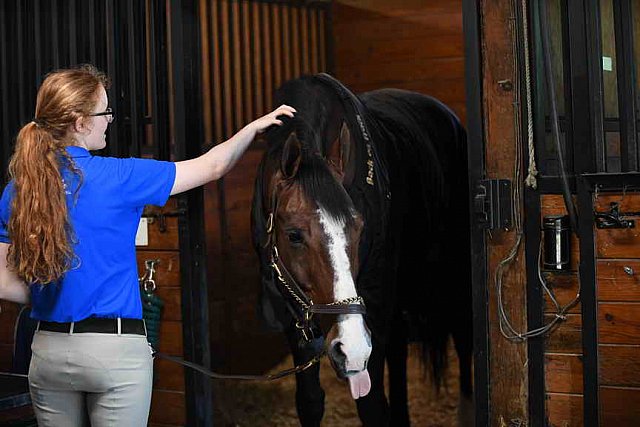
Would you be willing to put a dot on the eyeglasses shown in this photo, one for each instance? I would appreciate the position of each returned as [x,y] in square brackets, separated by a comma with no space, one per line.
[111,116]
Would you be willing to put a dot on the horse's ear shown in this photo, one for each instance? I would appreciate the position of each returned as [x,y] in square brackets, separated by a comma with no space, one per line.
[291,156]
[341,154]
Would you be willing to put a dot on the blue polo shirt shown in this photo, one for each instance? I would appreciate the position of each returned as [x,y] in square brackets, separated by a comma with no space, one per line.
[103,282]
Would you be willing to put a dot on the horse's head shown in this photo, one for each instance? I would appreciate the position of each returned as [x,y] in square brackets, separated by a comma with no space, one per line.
[313,233]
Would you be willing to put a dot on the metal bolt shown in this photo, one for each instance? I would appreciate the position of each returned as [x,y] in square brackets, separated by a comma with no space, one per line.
[506,85]
[628,270]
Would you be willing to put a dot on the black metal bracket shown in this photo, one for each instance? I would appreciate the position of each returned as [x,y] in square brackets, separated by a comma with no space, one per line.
[492,205]
[614,218]
[162,217]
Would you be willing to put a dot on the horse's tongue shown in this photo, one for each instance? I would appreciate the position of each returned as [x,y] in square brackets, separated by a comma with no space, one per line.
[360,384]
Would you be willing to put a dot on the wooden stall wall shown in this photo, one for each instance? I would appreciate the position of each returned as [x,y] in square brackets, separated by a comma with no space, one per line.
[168,399]
[563,346]
[618,298]
[249,49]
[407,44]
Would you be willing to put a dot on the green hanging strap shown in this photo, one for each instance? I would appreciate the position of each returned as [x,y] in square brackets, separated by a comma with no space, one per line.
[151,303]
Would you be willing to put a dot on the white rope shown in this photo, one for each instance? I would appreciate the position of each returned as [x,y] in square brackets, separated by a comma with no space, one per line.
[506,327]
[531,180]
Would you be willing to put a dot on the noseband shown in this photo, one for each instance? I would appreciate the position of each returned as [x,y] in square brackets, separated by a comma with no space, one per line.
[306,308]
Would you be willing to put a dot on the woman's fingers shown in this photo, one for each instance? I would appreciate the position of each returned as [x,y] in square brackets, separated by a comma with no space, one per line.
[285,109]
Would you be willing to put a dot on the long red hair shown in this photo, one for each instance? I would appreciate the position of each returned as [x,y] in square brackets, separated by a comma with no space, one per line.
[41,249]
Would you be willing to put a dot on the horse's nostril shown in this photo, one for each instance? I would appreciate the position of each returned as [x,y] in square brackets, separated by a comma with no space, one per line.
[336,349]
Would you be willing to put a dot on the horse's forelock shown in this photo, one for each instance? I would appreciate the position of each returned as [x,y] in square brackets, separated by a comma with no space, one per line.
[321,186]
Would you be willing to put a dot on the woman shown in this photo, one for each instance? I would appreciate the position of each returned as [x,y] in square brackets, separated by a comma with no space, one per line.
[67,244]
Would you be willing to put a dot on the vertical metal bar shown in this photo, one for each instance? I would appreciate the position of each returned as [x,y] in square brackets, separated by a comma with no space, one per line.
[322,36]
[569,141]
[535,301]
[92,36]
[583,69]
[475,147]
[329,45]
[227,69]
[304,39]
[5,144]
[258,67]
[597,104]
[18,57]
[159,81]
[274,28]
[295,35]
[184,56]
[625,67]
[55,38]
[587,279]
[266,49]
[236,65]
[109,19]
[216,70]
[133,93]
[207,64]
[73,32]
[285,19]
[37,40]
[313,29]
[246,62]
[535,310]
[62,29]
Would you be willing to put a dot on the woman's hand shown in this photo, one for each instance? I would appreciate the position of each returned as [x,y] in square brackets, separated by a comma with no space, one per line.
[261,124]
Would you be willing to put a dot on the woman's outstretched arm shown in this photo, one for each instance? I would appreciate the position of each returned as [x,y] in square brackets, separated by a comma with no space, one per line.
[220,159]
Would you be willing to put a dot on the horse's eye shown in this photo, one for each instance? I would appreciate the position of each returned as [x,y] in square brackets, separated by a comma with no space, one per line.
[295,237]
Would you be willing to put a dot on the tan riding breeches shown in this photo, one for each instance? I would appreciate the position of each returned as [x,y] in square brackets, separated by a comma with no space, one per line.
[101,379]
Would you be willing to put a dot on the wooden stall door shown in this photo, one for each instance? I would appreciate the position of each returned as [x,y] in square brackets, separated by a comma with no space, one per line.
[618,301]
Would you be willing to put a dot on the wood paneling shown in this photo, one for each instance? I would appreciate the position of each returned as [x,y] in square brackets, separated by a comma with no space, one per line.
[619,365]
[615,284]
[403,44]
[167,404]
[619,323]
[171,338]
[563,373]
[167,270]
[566,337]
[618,243]
[619,407]
[618,295]
[167,375]
[564,287]
[565,410]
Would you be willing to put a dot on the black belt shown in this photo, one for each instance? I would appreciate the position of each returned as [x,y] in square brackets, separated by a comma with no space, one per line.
[99,325]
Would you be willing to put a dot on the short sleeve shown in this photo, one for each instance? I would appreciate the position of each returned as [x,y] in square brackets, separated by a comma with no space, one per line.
[5,212]
[146,181]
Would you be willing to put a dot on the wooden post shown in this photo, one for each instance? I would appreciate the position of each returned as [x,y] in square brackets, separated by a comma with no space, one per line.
[507,360]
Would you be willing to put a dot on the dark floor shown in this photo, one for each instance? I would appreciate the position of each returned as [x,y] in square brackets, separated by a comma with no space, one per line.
[272,404]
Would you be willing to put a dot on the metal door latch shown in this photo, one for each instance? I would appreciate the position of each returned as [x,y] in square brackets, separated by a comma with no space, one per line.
[492,206]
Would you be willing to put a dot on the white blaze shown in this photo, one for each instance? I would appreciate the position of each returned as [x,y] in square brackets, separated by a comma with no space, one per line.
[356,343]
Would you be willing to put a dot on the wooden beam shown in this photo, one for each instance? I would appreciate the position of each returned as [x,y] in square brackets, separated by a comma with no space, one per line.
[507,360]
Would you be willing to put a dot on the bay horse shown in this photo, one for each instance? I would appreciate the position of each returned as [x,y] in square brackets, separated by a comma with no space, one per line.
[361,211]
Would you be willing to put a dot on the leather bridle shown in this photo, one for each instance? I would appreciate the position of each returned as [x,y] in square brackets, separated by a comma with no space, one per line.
[306,308]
